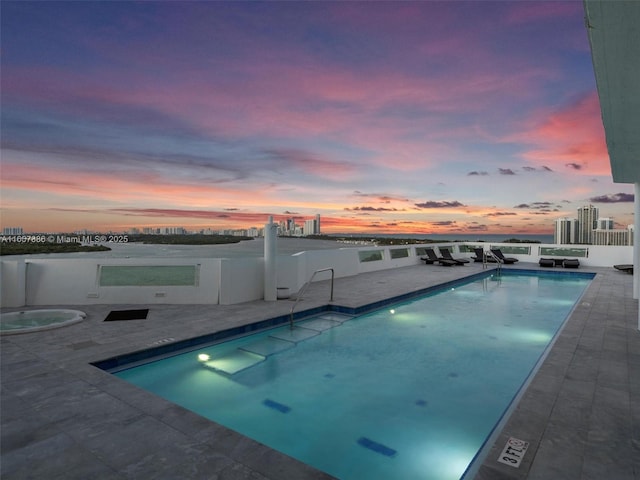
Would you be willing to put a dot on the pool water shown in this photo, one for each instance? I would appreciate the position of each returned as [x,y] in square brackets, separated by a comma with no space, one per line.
[410,391]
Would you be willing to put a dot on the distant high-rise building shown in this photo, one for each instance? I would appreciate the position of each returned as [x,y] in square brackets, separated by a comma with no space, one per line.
[172,231]
[589,229]
[291,226]
[12,231]
[566,231]
[605,223]
[613,237]
[310,227]
[587,222]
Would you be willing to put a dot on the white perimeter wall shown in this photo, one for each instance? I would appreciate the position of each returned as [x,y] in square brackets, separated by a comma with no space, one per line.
[243,280]
[13,284]
[74,281]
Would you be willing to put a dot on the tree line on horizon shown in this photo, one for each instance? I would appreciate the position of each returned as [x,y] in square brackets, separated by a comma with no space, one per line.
[404,241]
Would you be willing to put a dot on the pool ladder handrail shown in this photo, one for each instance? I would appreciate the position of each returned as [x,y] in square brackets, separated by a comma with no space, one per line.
[304,289]
[489,253]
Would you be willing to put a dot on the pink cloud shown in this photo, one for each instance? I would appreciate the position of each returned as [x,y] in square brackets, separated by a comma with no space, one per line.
[313,164]
[572,136]
[116,187]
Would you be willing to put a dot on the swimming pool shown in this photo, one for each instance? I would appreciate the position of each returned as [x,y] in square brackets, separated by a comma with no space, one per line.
[413,390]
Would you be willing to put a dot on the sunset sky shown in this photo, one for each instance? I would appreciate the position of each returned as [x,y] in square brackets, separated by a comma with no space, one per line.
[398,117]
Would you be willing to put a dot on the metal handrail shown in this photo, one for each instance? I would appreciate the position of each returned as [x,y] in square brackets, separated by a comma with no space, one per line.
[304,289]
[496,258]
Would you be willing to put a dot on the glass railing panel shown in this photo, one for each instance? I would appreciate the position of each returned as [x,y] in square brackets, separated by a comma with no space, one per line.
[564,252]
[514,249]
[399,252]
[370,255]
[466,248]
[148,275]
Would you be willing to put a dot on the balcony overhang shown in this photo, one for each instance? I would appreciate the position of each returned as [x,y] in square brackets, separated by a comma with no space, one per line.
[613,28]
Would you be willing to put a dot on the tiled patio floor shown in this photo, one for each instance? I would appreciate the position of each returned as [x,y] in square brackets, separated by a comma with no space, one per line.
[62,418]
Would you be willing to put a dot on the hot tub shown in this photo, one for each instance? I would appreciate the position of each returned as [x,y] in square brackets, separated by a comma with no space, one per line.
[35,320]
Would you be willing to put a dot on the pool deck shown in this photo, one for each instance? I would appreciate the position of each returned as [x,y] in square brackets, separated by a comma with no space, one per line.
[62,418]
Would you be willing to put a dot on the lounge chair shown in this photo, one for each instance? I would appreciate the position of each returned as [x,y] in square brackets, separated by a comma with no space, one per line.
[571,263]
[506,260]
[546,262]
[427,260]
[481,256]
[624,268]
[446,254]
[433,258]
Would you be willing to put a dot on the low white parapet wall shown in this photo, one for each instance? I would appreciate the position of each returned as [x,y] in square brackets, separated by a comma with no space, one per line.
[74,281]
[240,280]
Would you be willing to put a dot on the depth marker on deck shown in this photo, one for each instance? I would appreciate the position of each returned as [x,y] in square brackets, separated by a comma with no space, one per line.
[513,452]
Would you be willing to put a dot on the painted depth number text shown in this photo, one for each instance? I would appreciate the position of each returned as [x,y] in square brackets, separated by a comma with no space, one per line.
[513,452]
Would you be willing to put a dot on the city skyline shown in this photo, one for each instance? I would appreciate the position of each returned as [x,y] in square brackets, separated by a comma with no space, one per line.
[118,115]
[565,230]
[286,226]
[589,228]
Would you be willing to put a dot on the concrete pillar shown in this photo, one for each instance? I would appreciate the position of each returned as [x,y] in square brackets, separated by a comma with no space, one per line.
[270,261]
